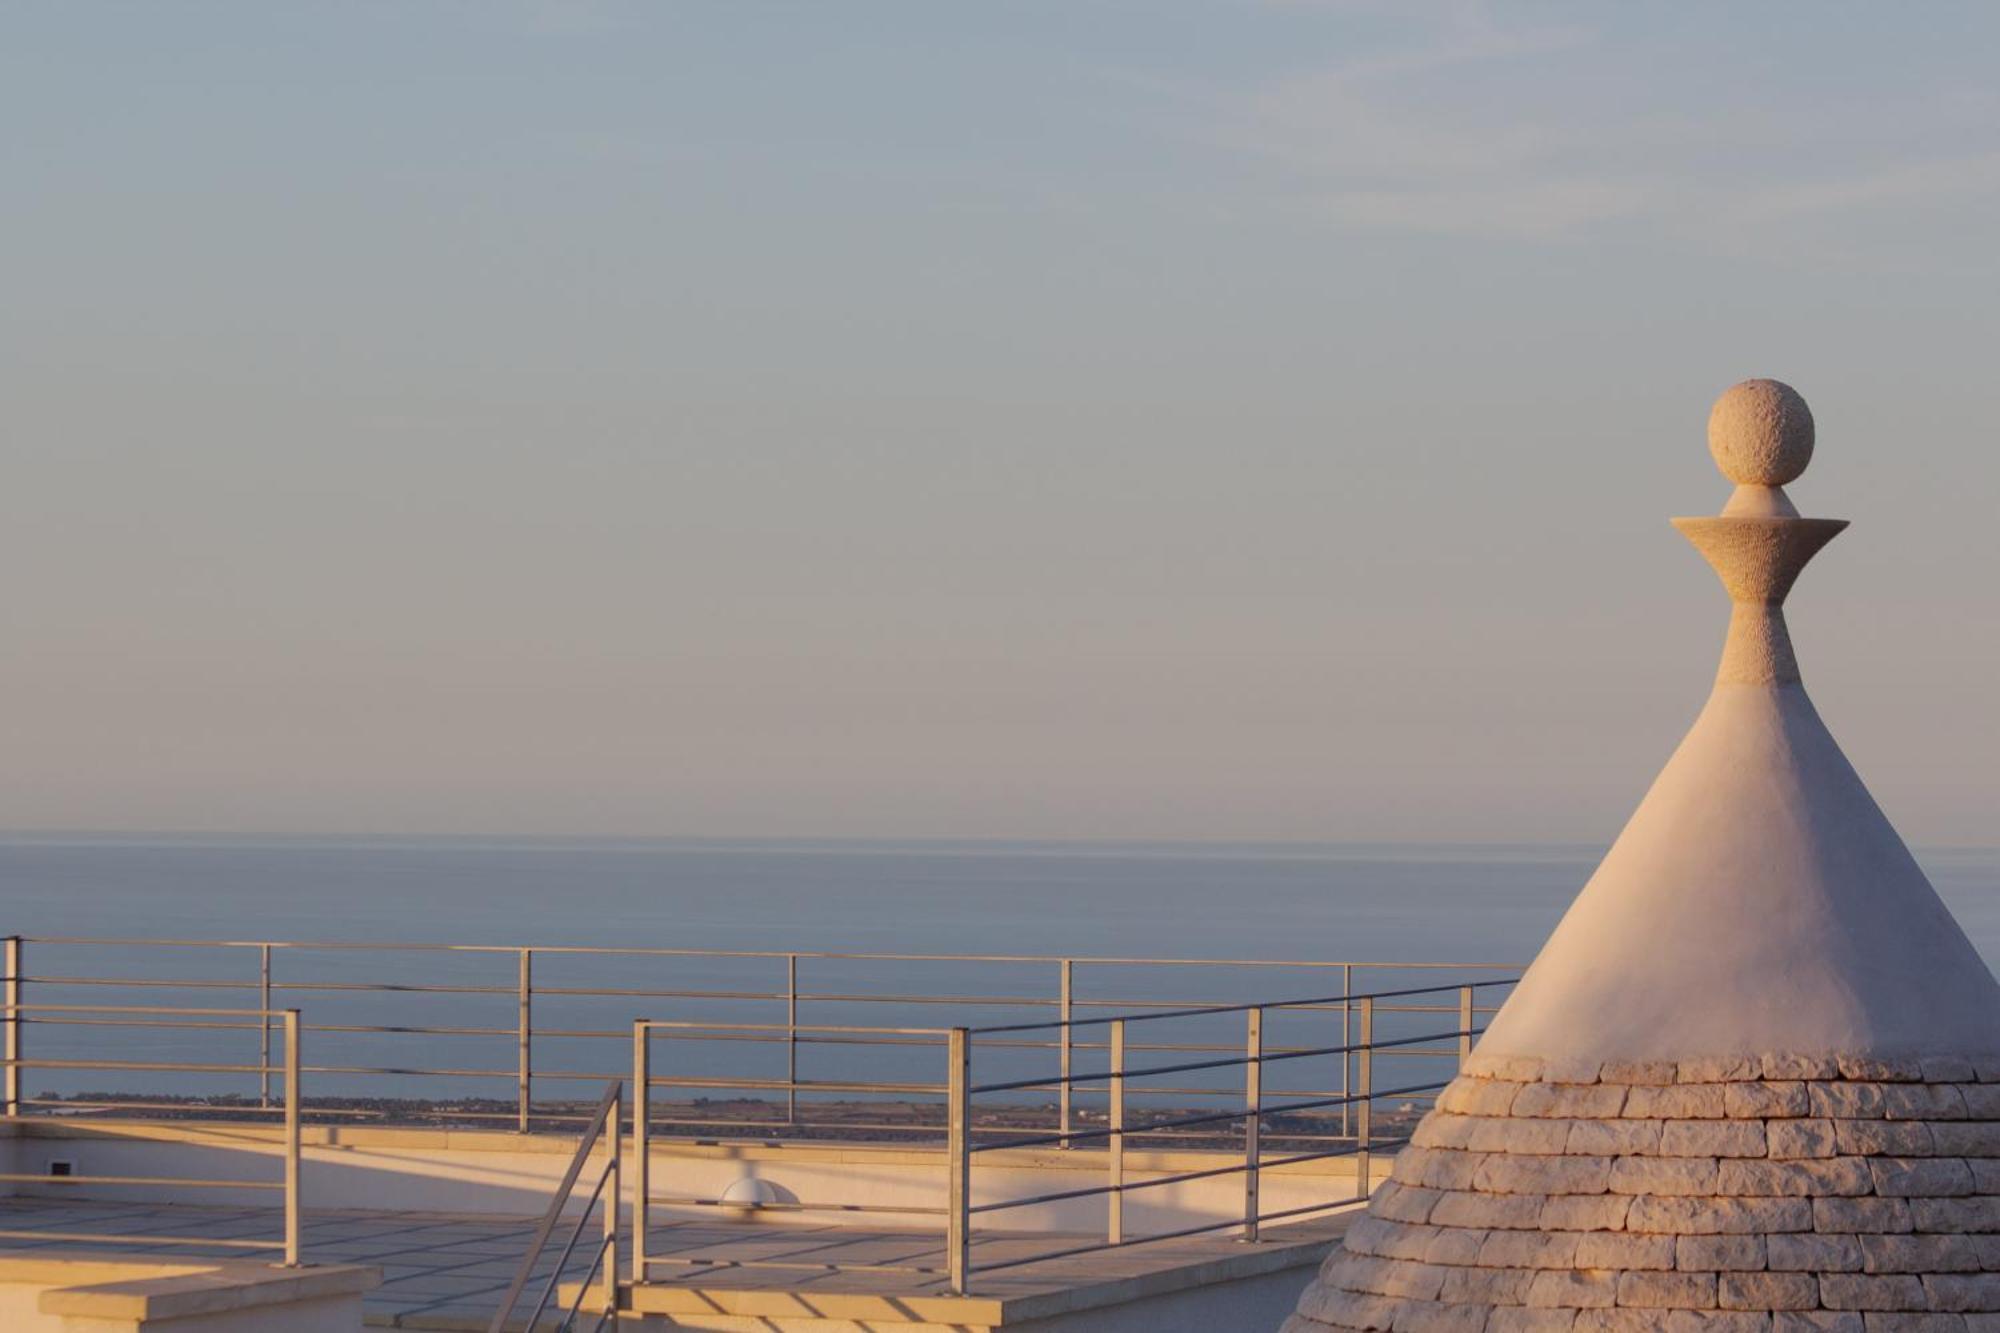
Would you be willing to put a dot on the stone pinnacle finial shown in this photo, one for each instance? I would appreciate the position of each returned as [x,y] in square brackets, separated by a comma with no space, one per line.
[1761,433]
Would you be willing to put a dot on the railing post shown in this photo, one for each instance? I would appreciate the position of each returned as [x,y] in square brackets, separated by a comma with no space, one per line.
[958,1136]
[1346,1039]
[264,1026]
[1464,1026]
[293,1108]
[1114,1157]
[1253,1122]
[642,1175]
[1067,1001]
[524,1076]
[613,1203]
[1364,1091]
[791,1039]
[13,1001]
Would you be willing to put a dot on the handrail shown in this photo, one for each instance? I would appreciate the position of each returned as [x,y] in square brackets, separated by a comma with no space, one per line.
[1256,1107]
[1080,992]
[643,951]
[1315,1002]
[16,1014]
[604,1125]
[1358,1049]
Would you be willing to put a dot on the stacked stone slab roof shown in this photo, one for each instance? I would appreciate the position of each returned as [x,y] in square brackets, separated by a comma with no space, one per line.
[1752,1084]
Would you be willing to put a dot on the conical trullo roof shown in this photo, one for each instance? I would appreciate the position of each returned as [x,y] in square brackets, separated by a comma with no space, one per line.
[1752,1082]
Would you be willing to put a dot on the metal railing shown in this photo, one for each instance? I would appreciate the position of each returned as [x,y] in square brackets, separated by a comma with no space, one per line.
[1260,1113]
[495,998]
[1118,1076]
[1134,1061]
[147,1020]
[605,1194]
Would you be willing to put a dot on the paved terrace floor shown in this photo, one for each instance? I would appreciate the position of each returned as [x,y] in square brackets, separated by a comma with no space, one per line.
[447,1271]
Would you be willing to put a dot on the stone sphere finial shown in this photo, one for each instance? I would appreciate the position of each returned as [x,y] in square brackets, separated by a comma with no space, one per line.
[1761,433]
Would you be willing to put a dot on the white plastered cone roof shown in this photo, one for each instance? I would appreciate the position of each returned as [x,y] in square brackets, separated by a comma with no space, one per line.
[1751,1085]
[1759,900]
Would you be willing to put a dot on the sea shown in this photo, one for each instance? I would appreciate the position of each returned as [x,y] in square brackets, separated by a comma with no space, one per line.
[841,904]
[1403,901]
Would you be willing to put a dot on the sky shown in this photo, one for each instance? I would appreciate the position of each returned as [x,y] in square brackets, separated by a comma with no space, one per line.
[1077,419]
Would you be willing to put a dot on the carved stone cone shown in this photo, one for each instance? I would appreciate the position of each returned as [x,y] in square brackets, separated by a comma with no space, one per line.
[1752,1082]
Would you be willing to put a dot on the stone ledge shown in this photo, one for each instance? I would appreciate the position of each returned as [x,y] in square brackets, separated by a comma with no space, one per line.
[96,1287]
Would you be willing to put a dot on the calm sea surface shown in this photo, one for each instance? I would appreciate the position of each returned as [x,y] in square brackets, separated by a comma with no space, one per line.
[1386,901]
[1351,902]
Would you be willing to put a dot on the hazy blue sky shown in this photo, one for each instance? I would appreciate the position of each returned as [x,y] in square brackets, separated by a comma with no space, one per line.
[1070,419]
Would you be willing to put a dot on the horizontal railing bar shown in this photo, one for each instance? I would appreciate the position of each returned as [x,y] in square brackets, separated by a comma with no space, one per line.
[1057,1080]
[143,1066]
[1336,1205]
[1379,1044]
[1230,1062]
[776,1036]
[1267,1005]
[174,983]
[1102,1245]
[100,1238]
[403,1072]
[226,1108]
[1151,1182]
[906,1127]
[638,952]
[1315,1104]
[1331,1005]
[793,1265]
[780,1084]
[754,1130]
[366,1029]
[681,1025]
[138,1009]
[787,1207]
[22,1178]
[644,993]
[399,1030]
[1139,1131]
[123,1023]
[1298,1159]
[1181,1234]
[169,983]
[389,987]
[381,1029]
[1181,1178]
[754,1038]
[1134,1094]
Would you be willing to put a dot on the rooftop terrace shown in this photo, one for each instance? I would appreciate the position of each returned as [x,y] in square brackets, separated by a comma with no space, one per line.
[1008,1142]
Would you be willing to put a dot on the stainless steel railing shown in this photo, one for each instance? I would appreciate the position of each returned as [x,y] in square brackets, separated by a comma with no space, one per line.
[606,1194]
[1119,1075]
[144,1019]
[1450,1019]
[1110,1046]
[499,1009]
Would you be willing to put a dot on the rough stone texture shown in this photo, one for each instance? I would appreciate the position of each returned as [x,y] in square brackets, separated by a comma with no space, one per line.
[1760,433]
[1780,1194]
